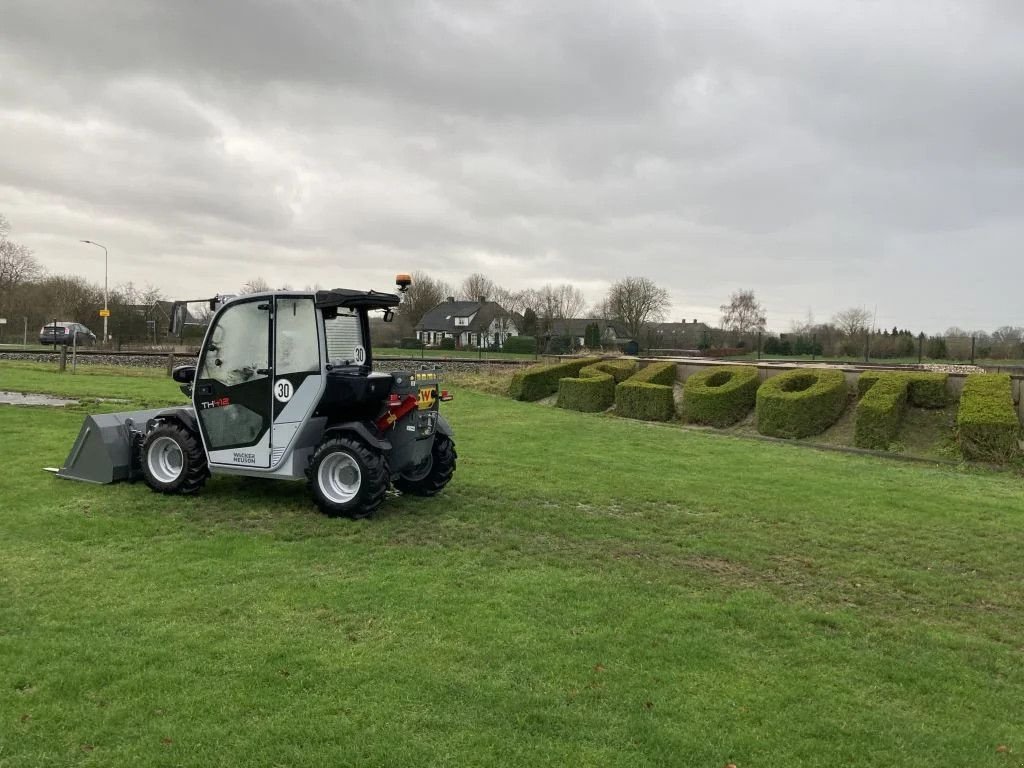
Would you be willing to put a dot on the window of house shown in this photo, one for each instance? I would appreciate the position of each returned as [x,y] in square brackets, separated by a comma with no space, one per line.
[462,321]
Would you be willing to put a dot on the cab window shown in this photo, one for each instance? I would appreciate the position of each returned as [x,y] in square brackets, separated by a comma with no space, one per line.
[238,349]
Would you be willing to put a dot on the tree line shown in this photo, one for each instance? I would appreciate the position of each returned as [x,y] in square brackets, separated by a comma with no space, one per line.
[28,295]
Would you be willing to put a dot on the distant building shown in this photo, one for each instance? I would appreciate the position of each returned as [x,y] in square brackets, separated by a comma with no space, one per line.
[472,324]
[681,335]
[613,333]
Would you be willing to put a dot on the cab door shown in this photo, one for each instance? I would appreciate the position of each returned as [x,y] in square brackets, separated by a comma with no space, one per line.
[232,391]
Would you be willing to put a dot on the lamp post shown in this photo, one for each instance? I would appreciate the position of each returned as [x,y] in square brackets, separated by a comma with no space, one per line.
[106,311]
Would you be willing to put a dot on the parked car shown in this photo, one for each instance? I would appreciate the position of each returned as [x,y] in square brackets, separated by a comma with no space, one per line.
[66,333]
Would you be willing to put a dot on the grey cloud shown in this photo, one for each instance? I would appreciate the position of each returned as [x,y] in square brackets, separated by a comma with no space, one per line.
[825,154]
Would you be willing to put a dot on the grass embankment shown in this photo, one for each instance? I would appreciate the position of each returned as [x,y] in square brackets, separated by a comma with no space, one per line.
[588,591]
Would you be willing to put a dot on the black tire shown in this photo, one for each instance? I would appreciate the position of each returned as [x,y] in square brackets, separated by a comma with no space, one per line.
[347,478]
[173,461]
[431,478]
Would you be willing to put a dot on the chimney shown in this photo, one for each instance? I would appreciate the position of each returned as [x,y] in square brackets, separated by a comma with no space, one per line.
[695,321]
[483,299]
[451,299]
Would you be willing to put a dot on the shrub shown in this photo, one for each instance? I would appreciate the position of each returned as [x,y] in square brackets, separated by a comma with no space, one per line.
[410,343]
[656,373]
[880,411]
[520,344]
[640,400]
[802,402]
[559,345]
[720,396]
[594,390]
[648,395]
[539,381]
[927,390]
[447,343]
[987,424]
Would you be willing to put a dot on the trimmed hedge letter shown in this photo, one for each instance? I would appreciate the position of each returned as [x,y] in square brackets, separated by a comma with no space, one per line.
[802,402]
[594,390]
[720,396]
[648,395]
[986,423]
[539,381]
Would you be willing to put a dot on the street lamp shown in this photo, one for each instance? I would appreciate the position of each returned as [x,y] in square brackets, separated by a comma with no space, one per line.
[106,312]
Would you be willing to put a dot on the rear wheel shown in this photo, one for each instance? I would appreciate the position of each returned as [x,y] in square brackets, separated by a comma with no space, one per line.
[348,478]
[430,477]
[173,461]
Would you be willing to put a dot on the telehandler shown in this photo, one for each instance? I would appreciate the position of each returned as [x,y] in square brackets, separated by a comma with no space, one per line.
[284,388]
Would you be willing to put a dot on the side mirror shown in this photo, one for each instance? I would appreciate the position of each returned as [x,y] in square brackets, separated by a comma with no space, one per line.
[389,315]
[184,374]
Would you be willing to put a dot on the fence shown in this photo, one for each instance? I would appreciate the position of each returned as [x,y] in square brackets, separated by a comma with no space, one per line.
[897,348]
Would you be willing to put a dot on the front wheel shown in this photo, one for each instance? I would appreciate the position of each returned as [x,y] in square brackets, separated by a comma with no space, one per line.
[348,478]
[173,461]
[433,475]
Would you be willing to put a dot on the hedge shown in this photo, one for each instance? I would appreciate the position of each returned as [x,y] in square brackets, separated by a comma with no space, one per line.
[539,381]
[927,390]
[720,396]
[880,411]
[802,402]
[987,424]
[520,344]
[648,395]
[656,373]
[594,390]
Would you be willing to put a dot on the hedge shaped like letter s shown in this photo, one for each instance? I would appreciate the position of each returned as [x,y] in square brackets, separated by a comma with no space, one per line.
[594,389]
[720,396]
[648,395]
[986,422]
[539,381]
[801,403]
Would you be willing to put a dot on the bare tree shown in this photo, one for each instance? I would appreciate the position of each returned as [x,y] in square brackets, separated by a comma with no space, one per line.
[637,301]
[475,286]
[424,294]
[255,285]
[17,264]
[743,314]
[853,321]
[1008,334]
[560,302]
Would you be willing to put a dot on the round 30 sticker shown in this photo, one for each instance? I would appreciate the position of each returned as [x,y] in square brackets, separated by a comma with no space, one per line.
[359,353]
[283,390]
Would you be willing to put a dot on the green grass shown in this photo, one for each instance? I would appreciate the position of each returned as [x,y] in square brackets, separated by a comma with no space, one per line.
[588,591]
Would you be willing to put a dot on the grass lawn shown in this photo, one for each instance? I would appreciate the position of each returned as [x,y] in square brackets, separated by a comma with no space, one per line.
[587,591]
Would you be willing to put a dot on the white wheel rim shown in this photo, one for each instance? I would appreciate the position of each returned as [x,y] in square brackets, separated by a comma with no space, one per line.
[165,459]
[339,478]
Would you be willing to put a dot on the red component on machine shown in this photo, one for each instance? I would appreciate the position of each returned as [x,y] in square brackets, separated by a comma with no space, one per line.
[396,409]
[446,396]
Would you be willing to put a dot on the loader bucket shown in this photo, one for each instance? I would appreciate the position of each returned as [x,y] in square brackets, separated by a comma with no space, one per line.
[103,451]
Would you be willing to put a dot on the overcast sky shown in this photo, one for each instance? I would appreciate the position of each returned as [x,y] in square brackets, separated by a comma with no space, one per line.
[824,153]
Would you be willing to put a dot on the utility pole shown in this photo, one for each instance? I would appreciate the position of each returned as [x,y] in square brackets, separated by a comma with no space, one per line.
[106,310]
